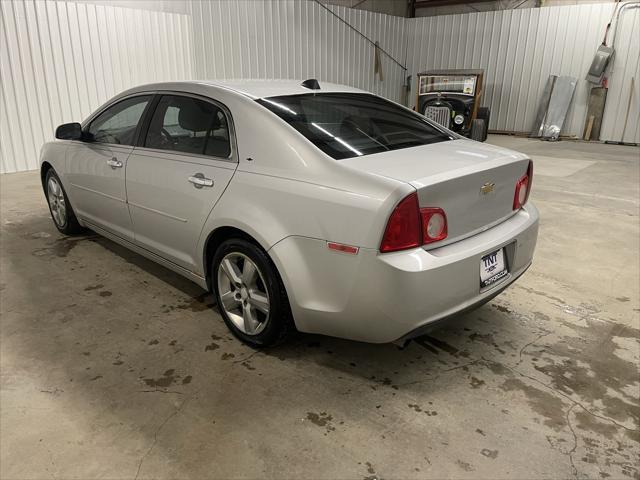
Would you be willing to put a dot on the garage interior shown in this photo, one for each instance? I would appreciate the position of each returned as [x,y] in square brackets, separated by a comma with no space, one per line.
[112,366]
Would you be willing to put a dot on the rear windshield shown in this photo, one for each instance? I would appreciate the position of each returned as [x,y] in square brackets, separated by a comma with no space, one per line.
[345,125]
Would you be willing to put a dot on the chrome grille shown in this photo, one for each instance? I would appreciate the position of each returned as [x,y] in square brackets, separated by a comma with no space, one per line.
[440,115]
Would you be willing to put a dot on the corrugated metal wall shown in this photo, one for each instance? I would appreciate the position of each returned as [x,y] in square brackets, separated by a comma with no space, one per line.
[61,60]
[626,65]
[296,39]
[519,49]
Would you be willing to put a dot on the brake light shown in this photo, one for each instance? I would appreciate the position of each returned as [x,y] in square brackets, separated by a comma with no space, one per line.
[403,227]
[410,226]
[523,188]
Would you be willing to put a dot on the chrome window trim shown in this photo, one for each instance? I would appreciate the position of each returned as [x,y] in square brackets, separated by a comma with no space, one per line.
[99,145]
[154,152]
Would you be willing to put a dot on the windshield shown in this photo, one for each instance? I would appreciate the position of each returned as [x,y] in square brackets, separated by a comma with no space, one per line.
[447,83]
[345,125]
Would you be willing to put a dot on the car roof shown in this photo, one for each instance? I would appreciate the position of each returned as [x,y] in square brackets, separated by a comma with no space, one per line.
[273,88]
[256,88]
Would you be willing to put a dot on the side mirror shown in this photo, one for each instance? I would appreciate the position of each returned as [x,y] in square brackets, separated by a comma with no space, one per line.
[69,131]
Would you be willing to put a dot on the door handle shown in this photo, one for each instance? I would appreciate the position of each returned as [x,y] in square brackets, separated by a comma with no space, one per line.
[114,163]
[199,180]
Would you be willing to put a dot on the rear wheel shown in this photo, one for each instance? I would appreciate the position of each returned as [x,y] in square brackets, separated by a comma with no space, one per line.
[478,130]
[62,214]
[250,294]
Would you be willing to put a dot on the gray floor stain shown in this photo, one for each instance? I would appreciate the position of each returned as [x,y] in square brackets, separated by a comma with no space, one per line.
[322,419]
[248,365]
[200,303]
[464,466]
[599,372]
[544,403]
[212,346]
[60,248]
[164,381]
[489,453]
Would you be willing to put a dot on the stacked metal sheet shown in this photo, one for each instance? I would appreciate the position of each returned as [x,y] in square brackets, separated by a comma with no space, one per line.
[556,98]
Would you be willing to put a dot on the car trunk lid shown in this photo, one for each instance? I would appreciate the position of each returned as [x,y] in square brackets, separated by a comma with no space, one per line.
[474,183]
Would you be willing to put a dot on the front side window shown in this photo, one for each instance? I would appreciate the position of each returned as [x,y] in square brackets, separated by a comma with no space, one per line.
[345,125]
[189,125]
[118,123]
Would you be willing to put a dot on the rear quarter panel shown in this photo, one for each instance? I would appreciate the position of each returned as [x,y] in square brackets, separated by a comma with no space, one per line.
[284,186]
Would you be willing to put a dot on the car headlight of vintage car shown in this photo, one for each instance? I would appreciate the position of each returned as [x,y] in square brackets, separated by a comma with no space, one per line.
[458,119]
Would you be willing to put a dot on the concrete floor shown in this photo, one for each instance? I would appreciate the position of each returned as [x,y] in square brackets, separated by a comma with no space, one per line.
[114,367]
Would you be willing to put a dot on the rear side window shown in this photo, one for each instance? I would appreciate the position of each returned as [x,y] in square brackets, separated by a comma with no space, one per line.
[189,125]
[345,125]
[118,123]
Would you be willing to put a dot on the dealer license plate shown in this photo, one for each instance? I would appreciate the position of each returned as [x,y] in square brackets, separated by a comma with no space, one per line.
[493,268]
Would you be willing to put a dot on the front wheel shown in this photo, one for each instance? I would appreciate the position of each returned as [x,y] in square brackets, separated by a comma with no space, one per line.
[62,214]
[250,294]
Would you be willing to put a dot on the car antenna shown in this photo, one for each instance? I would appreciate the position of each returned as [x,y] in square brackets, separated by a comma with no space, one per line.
[311,84]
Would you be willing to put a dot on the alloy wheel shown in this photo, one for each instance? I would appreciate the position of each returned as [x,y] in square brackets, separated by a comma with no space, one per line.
[56,202]
[243,293]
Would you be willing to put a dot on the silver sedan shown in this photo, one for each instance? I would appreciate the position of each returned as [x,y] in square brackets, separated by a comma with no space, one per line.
[305,206]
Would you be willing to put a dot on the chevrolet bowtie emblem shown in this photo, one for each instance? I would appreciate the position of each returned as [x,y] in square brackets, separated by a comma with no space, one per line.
[487,188]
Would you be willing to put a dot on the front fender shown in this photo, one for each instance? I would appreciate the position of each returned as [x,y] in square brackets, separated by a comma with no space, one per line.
[55,154]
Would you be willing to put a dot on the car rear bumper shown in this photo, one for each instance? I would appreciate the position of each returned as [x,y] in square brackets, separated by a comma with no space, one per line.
[381,298]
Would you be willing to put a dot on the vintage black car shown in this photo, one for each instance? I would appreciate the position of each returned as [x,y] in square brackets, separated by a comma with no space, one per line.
[452,99]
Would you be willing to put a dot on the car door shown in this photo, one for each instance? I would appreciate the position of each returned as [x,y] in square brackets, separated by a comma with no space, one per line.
[175,176]
[96,167]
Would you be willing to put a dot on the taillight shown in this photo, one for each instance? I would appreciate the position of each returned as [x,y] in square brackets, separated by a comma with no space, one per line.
[403,227]
[523,188]
[434,225]
[410,226]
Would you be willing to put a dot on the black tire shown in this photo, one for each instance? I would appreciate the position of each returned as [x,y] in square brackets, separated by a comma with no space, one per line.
[70,225]
[279,321]
[478,130]
[484,113]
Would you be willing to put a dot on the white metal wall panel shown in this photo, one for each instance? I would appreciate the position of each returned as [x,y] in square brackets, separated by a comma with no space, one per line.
[519,49]
[296,39]
[60,60]
[626,65]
